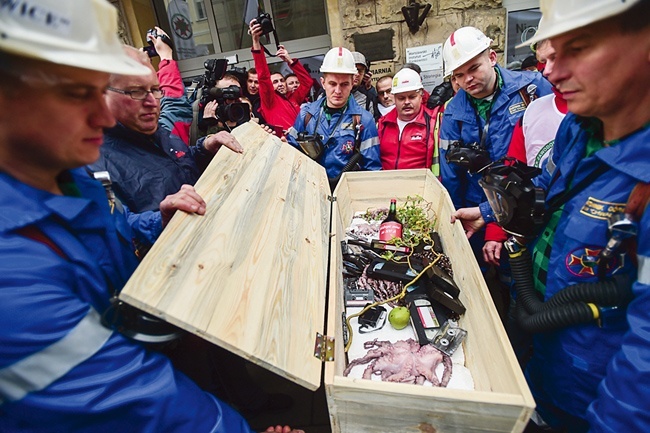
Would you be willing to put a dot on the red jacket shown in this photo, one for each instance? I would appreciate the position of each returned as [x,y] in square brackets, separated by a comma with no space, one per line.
[417,147]
[280,110]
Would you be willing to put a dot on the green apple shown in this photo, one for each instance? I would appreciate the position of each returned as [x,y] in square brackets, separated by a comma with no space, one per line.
[399,317]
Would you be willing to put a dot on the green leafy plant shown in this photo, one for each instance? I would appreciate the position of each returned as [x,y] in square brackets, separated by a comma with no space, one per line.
[418,221]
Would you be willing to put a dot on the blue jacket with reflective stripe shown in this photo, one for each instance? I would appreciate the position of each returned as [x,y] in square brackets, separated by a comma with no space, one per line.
[460,124]
[600,374]
[59,368]
[338,135]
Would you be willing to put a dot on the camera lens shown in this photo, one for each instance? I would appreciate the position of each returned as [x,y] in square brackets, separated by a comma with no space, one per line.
[236,112]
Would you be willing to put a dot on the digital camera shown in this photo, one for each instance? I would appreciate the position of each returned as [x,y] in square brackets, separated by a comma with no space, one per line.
[150,49]
[265,21]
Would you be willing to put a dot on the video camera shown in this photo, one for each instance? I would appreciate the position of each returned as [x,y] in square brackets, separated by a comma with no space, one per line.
[214,71]
[238,112]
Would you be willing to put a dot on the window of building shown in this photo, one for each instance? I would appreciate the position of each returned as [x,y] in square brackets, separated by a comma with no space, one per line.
[200,10]
[207,28]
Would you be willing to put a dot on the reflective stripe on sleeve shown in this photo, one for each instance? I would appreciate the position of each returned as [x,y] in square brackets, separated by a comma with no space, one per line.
[43,368]
[550,165]
[367,144]
[292,132]
[644,269]
[444,144]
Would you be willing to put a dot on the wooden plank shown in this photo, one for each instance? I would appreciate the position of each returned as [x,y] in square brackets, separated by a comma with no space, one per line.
[363,406]
[249,275]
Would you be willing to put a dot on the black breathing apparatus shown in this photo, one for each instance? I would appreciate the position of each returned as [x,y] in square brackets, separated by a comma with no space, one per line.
[519,208]
[473,157]
[311,144]
[517,204]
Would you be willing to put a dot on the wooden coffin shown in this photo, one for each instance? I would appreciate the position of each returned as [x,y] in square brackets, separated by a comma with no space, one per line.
[251,276]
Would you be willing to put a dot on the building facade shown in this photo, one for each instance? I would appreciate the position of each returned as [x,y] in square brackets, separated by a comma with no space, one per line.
[388,32]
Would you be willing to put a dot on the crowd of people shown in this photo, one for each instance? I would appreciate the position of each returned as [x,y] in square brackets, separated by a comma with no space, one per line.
[110,157]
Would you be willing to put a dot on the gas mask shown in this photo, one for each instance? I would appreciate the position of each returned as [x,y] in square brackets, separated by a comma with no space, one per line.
[311,145]
[517,204]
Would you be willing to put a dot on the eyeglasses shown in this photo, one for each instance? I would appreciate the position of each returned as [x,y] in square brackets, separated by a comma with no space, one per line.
[139,94]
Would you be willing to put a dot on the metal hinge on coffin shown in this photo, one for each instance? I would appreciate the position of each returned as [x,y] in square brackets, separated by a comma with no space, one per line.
[324,348]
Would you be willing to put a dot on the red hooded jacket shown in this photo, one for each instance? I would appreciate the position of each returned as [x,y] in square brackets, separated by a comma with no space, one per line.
[280,110]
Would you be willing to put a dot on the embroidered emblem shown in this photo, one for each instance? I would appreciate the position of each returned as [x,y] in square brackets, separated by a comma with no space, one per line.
[416,137]
[601,210]
[583,262]
[347,147]
[517,108]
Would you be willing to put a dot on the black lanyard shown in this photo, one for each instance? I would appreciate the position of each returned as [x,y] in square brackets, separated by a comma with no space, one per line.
[320,113]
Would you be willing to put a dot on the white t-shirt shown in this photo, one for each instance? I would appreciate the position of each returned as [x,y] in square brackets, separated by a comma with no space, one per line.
[540,124]
[401,124]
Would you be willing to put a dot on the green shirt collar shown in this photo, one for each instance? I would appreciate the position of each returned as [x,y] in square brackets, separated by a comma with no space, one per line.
[484,105]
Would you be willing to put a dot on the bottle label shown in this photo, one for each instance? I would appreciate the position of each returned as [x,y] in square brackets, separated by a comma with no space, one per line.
[390,230]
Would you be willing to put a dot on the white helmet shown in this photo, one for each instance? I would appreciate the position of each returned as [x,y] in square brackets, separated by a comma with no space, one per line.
[75,33]
[561,16]
[406,80]
[462,46]
[338,60]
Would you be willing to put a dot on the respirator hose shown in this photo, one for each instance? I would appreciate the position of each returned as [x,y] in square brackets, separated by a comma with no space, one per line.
[560,317]
[354,160]
[573,305]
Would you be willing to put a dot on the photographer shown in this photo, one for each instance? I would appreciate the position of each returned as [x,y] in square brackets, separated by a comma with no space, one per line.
[228,109]
[279,108]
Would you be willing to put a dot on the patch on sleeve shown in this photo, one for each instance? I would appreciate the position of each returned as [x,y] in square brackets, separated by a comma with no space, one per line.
[583,262]
[347,147]
[600,209]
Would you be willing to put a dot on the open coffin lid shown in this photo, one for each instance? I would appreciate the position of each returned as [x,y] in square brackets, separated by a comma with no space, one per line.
[250,275]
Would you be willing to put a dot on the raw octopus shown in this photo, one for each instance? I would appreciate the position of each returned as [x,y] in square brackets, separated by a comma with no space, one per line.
[382,289]
[404,361]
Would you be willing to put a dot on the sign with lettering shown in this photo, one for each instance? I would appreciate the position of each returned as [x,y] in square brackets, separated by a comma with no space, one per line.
[431,79]
[522,25]
[427,57]
[375,46]
[380,69]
